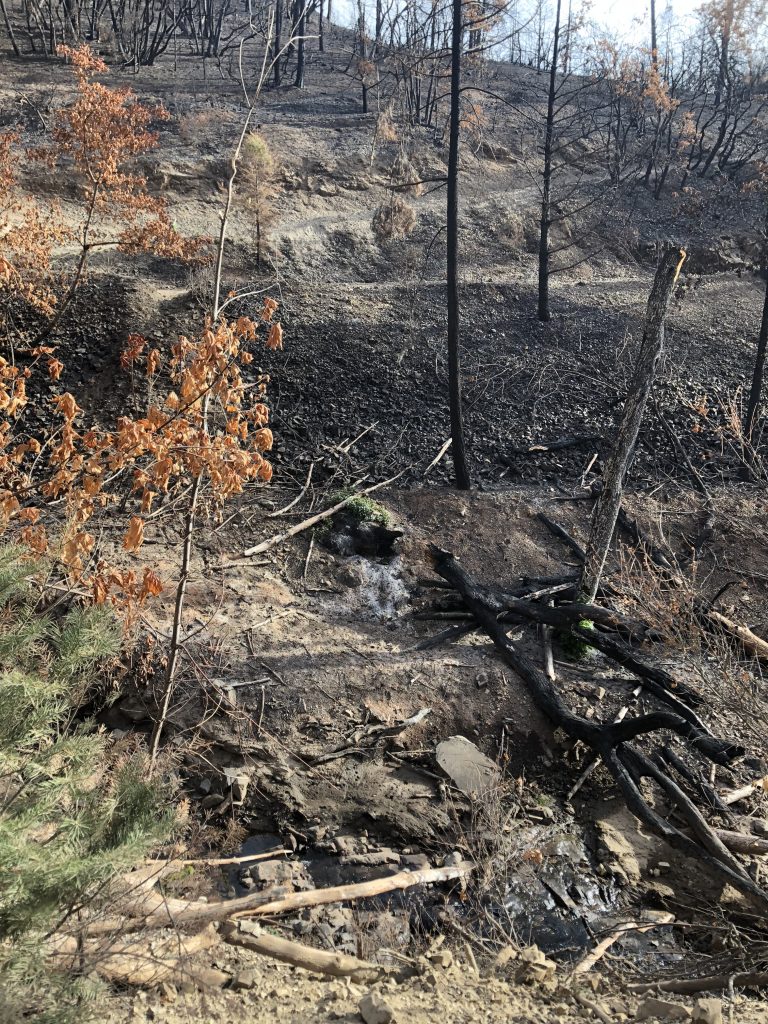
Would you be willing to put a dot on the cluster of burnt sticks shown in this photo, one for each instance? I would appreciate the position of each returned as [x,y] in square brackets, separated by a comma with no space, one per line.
[552,602]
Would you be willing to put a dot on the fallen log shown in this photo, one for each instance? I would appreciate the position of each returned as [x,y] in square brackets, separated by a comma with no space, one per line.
[558,445]
[319,961]
[183,913]
[739,842]
[611,742]
[750,641]
[710,983]
[359,890]
[133,962]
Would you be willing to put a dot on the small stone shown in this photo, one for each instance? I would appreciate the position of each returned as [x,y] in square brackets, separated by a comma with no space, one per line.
[373,859]
[416,861]
[442,958]
[452,859]
[661,1009]
[244,980]
[374,1009]
[708,1011]
[617,853]
[272,871]
[168,992]
[534,967]
[466,766]
[349,575]
[504,956]
[212,800]
[659,893]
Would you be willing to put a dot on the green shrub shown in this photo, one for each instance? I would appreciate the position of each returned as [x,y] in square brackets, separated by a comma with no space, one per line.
[362,508]
[574,647]
[73,811]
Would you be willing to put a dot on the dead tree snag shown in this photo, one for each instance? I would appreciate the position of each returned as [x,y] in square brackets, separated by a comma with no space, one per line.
[606,509]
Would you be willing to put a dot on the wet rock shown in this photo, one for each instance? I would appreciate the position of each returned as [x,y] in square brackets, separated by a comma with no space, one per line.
[467,767]
[212,800]
[349,536]
[416,861]
[282,873]
[616,853]
[708,1011]
[349,575]
[374,1009]
[652,1008]
[373,859]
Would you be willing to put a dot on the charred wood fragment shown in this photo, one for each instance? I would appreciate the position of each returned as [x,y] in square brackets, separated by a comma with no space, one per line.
[611,743]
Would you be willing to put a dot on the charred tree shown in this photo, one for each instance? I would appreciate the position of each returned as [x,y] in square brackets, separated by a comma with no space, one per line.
[546,187]
[606,509]
[300,51]
[460,466]
[278,43]
[9,28]
[758,370]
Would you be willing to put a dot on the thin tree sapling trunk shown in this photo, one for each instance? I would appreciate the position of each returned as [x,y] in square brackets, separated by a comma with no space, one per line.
[606,509]
[758,371]
[302,27]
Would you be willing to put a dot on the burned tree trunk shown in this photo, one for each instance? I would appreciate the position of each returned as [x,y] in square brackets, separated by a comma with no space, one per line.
[758,371]
[458,450]
[546,185]
[606,510]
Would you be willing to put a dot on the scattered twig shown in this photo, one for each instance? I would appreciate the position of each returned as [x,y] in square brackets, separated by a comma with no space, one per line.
[588,962]
[443,449]
[563,535]
[297,499]
[215,862]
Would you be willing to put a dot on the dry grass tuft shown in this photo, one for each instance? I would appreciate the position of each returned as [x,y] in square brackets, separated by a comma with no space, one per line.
[394,219]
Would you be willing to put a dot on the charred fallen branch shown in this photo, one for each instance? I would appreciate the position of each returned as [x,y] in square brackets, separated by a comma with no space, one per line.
[611,743]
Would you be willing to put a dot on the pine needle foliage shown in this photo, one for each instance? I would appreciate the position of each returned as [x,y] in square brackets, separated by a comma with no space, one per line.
[73,810]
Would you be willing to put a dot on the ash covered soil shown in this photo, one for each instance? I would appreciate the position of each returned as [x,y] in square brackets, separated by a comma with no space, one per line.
[365,320]
[318,647]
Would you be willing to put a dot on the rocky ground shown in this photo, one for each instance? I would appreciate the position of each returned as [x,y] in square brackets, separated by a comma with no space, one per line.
[304,658]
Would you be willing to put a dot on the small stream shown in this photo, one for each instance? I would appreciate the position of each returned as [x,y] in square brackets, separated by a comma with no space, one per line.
[560,905]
